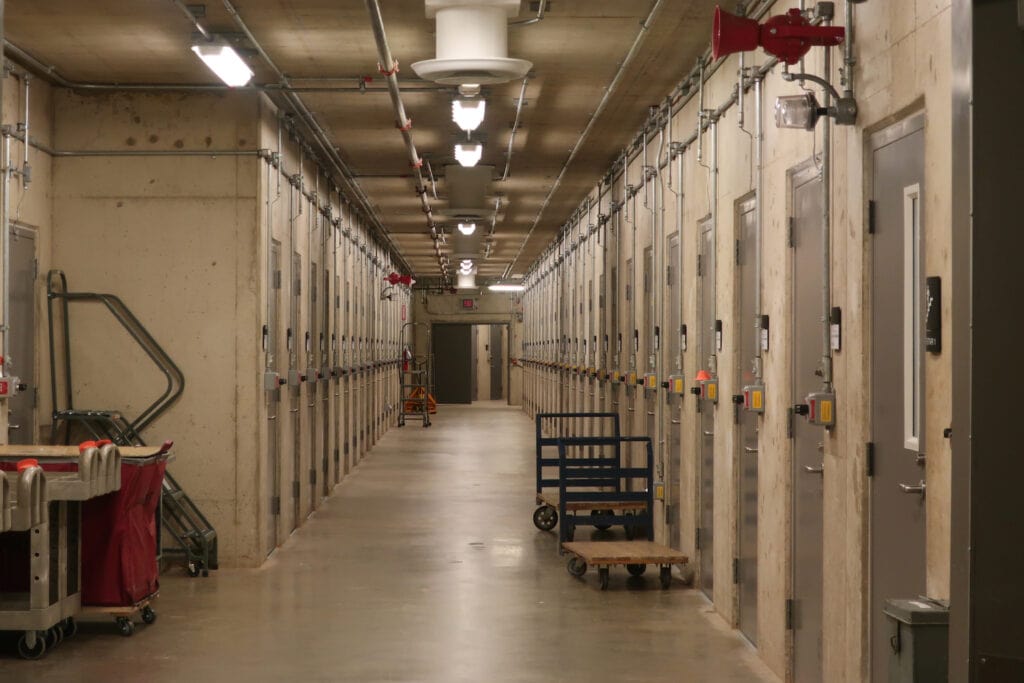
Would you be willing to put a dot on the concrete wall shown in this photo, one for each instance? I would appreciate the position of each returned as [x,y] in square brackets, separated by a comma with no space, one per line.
[901,52]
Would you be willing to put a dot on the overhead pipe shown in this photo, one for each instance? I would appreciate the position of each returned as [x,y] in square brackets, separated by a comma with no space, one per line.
[8,171]
[758,219]
[609,91]
[533,20]
[826,228]
[515,128]
[713,265]
[193,19]
[26,170]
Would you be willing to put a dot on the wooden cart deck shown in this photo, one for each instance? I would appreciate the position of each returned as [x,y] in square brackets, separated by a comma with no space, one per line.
[636,555]
[551,498]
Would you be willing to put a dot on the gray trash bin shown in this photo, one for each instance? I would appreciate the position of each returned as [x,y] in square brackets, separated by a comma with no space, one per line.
[919,641]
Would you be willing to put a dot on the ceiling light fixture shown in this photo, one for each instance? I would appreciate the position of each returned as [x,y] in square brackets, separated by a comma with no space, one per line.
[506,288]
[469,155]
[468,114]
[222,60]
[467,228]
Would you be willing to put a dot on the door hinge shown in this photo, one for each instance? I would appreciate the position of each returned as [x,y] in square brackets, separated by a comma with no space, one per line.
[337,455]
[700,265]
[312,475]
[789,615]
[295,488]
[736,252]
[790,232]
[275,505]
[872,206]
[696,539]
[35,397]
[789,423]
[736,570]
[276,279]
[35,269]
[869,457]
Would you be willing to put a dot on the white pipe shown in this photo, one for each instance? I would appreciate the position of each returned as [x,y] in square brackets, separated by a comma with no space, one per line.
[826,226]
[713,267]
[7,172]
[758,215]
[26,170]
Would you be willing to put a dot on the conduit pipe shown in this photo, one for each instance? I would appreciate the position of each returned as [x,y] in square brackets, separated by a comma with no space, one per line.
[8,171]
[515,127]
[713,266]
[826,227]
[533,20]
[758,218]
[26,170]
[609,91]
[192,18]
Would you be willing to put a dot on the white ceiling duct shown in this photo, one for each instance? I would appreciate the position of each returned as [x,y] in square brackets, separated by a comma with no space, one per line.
[472,43]
[467,281]
[468,190]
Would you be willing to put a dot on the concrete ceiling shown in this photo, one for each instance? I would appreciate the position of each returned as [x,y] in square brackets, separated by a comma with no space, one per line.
[575,51]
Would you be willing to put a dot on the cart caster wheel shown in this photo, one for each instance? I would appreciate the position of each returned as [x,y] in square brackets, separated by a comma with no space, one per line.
[545,518]
[54,637]
[70,627]
[576,567]
[602,573]
[206,572]
[602,513]
[570,534]
[148,615]
[666,578]
[629,526]
[126,626]
[193,569]
[636,569]
[32,652]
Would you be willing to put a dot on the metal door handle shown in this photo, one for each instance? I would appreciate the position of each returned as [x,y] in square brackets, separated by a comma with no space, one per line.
[677,422]
[9,427]
[911,488]
[650,413]
[810,469]
[748,449]
[707,433]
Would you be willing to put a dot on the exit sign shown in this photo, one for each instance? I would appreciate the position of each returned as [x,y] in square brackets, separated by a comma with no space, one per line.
[469,304]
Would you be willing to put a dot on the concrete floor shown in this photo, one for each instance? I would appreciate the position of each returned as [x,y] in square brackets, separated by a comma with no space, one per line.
[423,566]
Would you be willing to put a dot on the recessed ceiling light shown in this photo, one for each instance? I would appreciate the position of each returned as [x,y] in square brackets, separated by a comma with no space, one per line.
[469,155]
[467,228]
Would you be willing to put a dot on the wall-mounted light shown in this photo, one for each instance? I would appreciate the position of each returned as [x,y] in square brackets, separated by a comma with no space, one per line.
[467,228]
[506,288]
[469,155]
[468,114]
[797,111]
[222,60]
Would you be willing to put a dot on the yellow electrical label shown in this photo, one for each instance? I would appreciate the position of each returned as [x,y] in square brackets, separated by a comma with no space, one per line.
[757,400]
[826,412]
[650,381]
[678,385]
[659,492]
[616,376]
[712,388]
[631,378]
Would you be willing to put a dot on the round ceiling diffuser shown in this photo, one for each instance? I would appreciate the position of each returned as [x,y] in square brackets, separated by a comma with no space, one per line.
[472,43]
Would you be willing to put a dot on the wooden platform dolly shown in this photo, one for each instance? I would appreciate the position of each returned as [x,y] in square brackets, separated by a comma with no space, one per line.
[635,555]
[549,427]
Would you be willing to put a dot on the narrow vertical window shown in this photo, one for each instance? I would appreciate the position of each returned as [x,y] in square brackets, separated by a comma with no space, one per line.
[911,316]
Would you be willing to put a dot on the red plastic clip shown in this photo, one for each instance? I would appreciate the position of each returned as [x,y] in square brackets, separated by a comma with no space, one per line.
[86,445]
[406,128]
[27,463]
[418,164]
[394,69]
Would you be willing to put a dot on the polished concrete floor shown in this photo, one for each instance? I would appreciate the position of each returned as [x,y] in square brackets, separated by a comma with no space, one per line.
[424,566]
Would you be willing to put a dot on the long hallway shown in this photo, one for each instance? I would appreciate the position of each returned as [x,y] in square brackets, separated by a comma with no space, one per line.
[423,566]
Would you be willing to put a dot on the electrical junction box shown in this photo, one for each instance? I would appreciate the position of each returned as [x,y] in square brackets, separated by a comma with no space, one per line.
[821,408]
[753,398]
[675,384]
[650,381]
[709,389]
[9,386]
[659,490]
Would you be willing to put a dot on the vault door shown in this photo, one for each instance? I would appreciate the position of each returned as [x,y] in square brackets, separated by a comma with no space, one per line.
[807,439]
[650,345]
[338,380]
[327,417]
[272,477]
[497,362]
[748,424]
[706,437]
[294,388]
[897,412]
[453,352]
[674,454]
[313,354]
[633,339]
[21,427]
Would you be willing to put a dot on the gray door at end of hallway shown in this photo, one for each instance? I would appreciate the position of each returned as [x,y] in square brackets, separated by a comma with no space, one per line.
[21,427]
[897,490]
[453,362]
[808,449]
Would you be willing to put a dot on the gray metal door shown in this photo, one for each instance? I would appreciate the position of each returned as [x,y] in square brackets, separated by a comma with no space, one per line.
[21,427]
[313,361]
[706,437]
[497,358]
[897,387]
[272,494]
[748,421]
[673,459]
[295,389]
[807,439]
[453,353]
[650,320]
[631,340]
[338,405]
[326,418]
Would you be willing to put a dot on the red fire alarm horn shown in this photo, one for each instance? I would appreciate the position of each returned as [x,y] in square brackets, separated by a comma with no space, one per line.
[787,36]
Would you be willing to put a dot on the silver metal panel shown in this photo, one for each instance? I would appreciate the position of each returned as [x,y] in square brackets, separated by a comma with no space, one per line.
[897,545]
[808,523]
[673,461]
[21,416]
[706,436]
[295,392]
[497,362]
[747,444]
[315,425]
[272,479]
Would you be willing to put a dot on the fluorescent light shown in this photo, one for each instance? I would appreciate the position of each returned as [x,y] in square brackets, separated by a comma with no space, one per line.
[224,61]
[506,288]
[469,155]
[468,114]
[467,228]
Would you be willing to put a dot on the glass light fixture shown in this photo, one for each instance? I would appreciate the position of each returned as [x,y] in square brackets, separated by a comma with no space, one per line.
[467,228]
[506,288]
[469,155]
[222,60]
[797,111]
[468,114]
